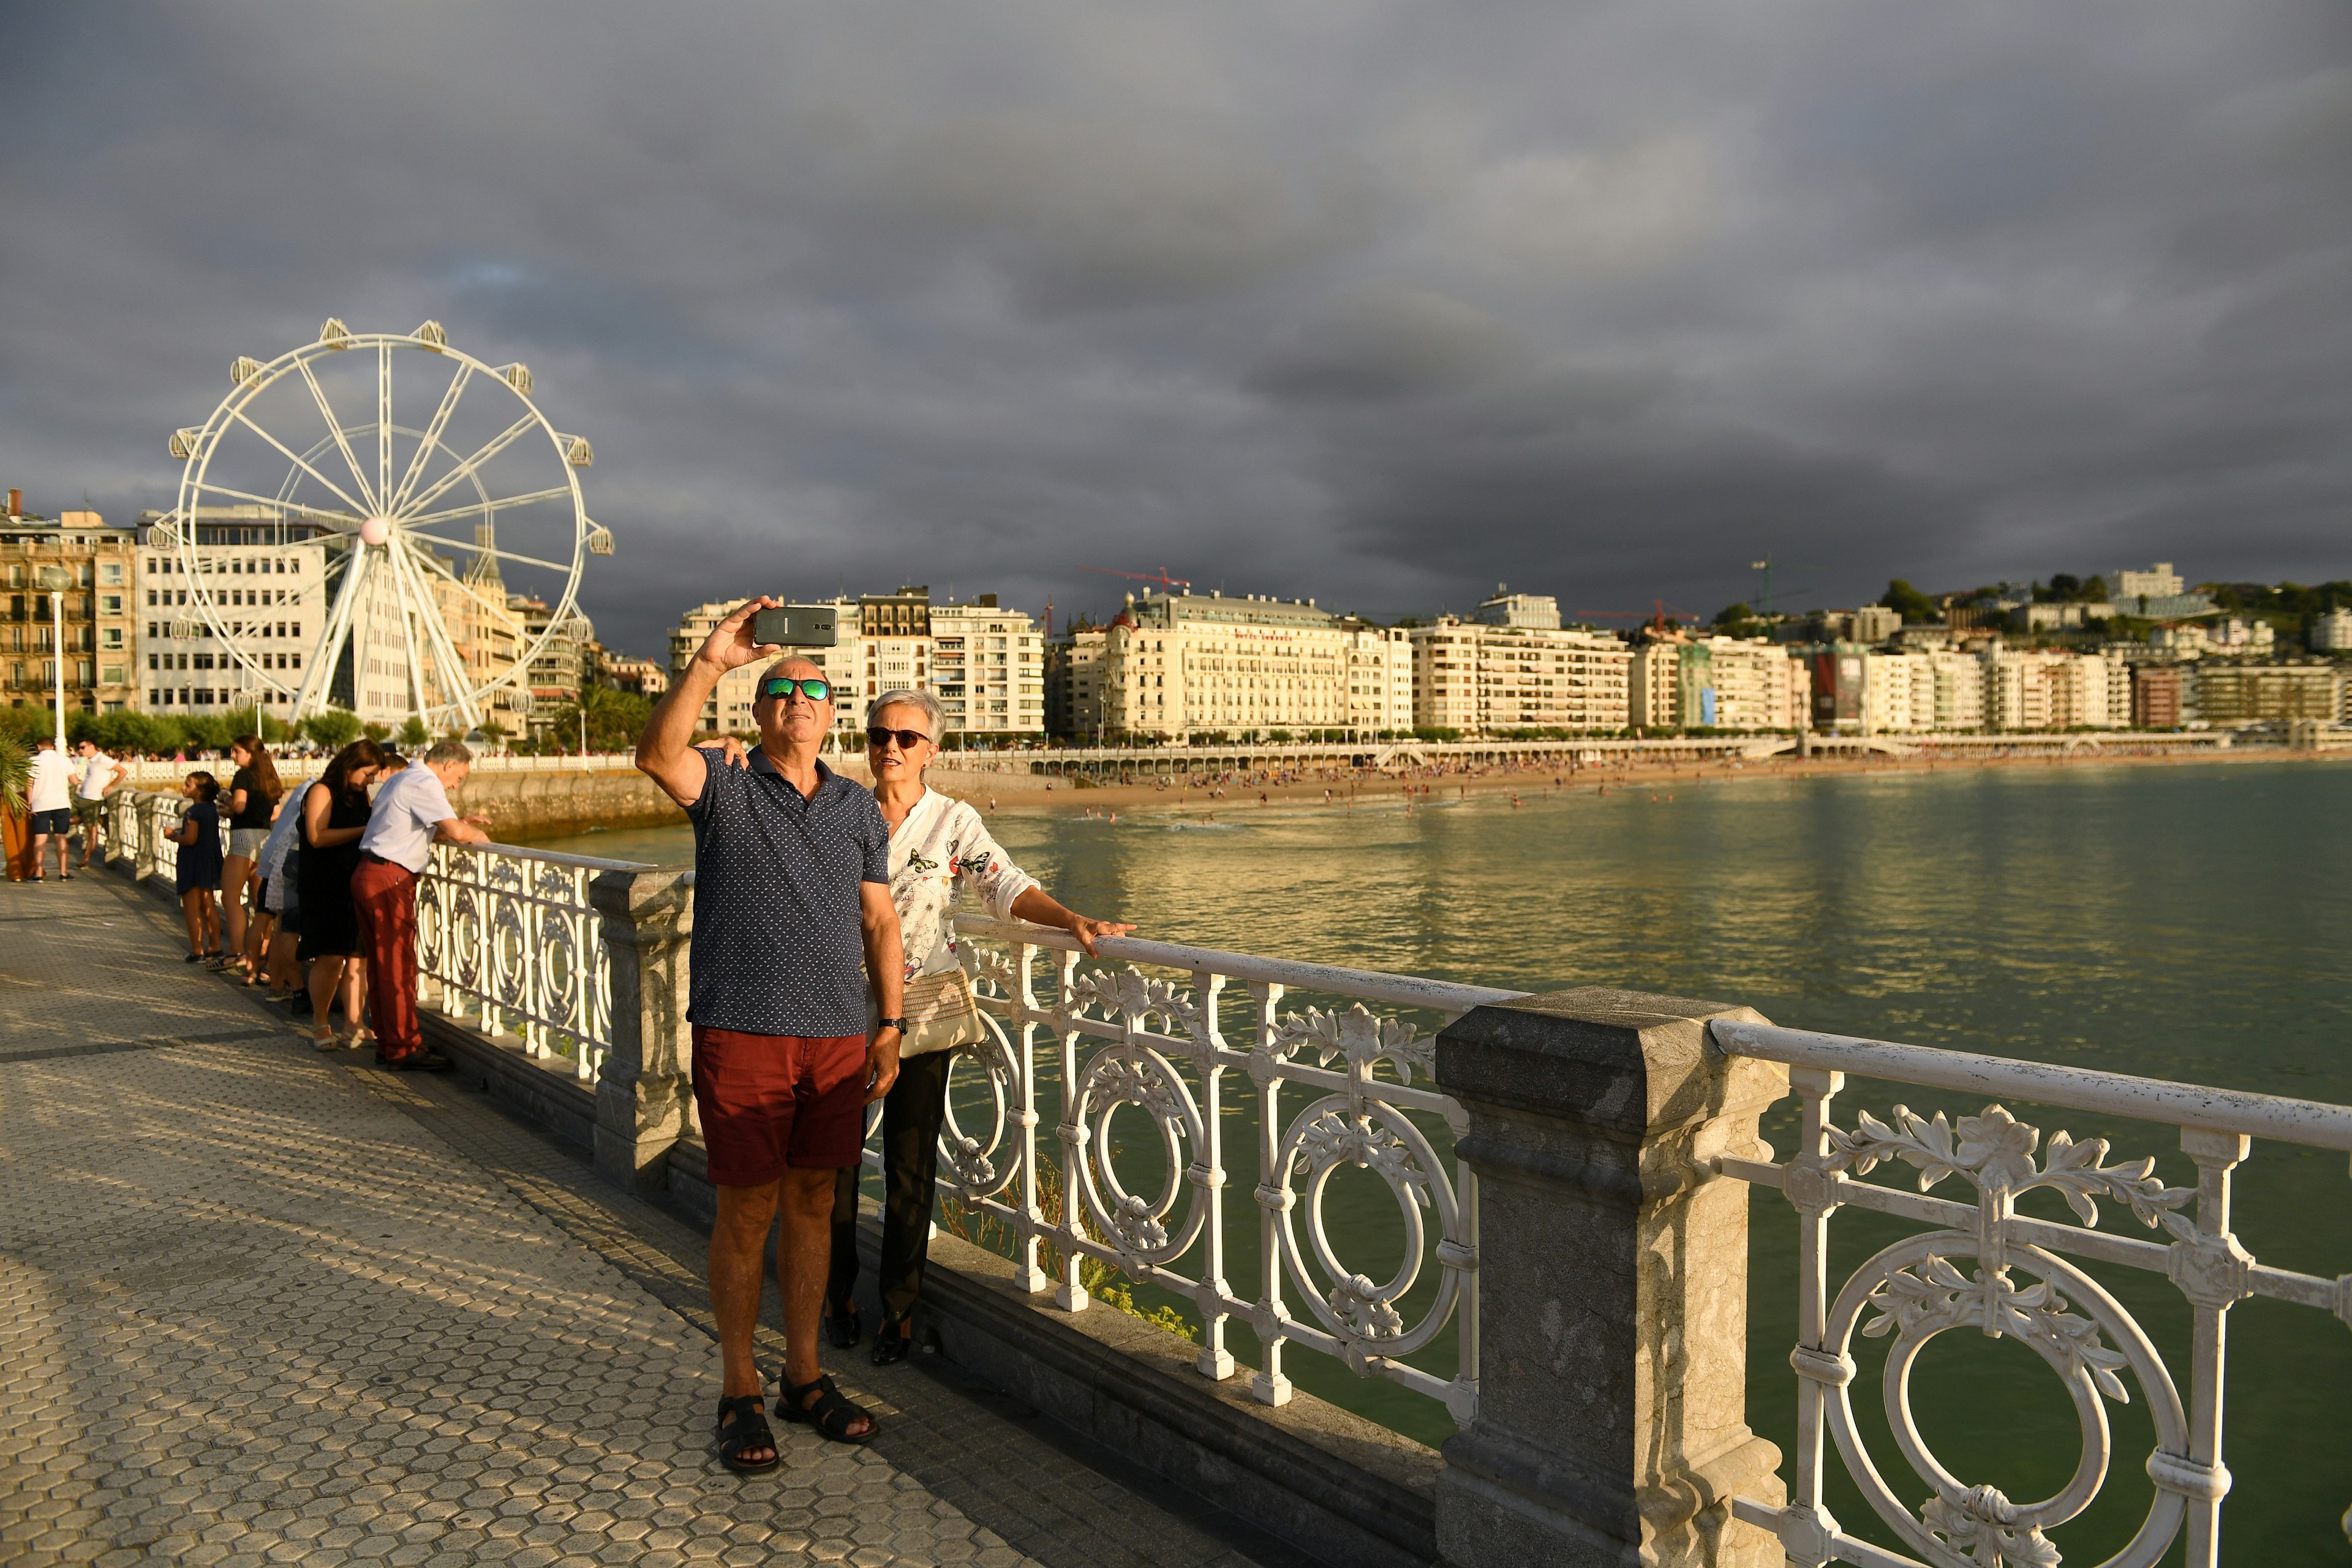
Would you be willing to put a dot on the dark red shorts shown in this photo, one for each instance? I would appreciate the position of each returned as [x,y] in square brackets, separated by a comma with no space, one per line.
[769,1101]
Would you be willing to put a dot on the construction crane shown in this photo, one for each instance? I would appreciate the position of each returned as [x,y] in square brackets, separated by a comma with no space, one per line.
[1160,577]
[1656,615]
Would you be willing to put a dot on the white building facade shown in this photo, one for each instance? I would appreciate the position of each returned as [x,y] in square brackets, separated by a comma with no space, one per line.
[987,670]
[1924,693]
[1484,680]
[2038,689]
[1720,683]
[268,585]
[1379,679]
[1180,665]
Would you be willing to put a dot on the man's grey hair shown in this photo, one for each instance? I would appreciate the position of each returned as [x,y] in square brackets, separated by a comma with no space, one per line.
[909,697]
[444,752]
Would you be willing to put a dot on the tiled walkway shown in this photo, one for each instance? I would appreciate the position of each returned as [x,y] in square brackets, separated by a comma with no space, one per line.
[259,1306]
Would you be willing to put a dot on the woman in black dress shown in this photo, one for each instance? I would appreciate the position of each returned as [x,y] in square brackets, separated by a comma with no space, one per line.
[334,814]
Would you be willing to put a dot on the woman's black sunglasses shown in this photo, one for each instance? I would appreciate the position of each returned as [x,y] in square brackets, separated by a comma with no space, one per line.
[882,734]
[785,686]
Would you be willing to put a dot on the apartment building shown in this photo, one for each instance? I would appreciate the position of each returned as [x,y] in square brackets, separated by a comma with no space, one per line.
[93,569]
[266,580]
[988,670]
[1380,677]
[1186,664]
[1535,612]
[2158,692]
[1922,693]
[984,663]
[2331,631]
[2230,694]
[639,677]
[728,709]
[2037,689]
[1724,683]
[1074,692]
[1484,678]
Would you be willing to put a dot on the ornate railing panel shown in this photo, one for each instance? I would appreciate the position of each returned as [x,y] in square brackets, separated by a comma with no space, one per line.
[508,936]
[1112,1038]
[1983,1266]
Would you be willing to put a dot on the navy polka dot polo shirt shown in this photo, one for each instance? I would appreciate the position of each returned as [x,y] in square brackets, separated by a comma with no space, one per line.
[777,944]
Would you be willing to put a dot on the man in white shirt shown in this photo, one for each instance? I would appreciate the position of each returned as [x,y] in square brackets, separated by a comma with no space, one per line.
[410,815]
[98,774]
[49,799]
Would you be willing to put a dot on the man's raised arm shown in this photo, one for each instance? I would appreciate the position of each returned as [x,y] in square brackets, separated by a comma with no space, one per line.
[666,752]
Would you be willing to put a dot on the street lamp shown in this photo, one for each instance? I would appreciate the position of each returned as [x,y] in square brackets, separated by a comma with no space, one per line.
[57,579]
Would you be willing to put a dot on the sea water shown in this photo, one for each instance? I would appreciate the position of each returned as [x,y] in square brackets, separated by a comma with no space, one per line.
[2185,922]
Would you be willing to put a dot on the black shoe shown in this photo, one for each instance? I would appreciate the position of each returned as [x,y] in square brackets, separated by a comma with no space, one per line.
[843,1326]
[893,1340]
[418,1061]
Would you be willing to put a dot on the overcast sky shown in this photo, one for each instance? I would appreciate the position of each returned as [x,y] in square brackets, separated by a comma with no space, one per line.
[1377,302]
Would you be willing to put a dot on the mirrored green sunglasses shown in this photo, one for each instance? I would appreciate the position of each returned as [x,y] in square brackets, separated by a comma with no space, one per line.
[785,686]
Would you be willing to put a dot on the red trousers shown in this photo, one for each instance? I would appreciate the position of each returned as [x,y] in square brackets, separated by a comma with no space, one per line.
[385,897]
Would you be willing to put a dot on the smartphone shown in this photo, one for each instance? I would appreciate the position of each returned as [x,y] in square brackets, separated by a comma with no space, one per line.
[797,626]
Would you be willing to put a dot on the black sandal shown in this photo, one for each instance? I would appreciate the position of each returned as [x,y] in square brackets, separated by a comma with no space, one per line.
[748,1430]
[831,1414]
[843,1327]
[893,1340]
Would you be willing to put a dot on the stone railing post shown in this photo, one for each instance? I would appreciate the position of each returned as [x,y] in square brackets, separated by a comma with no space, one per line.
[646,1084]
[144,809]
[1613,1287]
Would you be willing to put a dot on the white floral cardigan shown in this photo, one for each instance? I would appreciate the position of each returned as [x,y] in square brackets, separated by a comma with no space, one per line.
[942,843]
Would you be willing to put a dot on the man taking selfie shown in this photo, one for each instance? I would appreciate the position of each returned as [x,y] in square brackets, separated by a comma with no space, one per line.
[791,912]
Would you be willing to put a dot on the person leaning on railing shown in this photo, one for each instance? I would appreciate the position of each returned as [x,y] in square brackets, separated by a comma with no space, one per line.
[412,812]
[939,847]
[791,893]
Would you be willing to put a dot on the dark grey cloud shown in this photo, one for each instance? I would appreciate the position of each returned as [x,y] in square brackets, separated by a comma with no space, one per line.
[1375,302]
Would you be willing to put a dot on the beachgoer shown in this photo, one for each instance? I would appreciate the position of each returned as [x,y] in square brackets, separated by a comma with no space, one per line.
[791,893]
[48,801]
[100,776]
[939,847]
[198,875]
[253,792]
[334,814]
[411,814]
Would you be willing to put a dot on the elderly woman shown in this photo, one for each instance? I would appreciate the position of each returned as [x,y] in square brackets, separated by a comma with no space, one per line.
[938,846]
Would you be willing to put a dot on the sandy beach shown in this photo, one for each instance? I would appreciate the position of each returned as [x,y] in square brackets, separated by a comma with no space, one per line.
[1340,789]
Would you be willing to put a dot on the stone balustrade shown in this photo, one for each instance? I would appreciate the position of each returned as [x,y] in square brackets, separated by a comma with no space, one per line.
[1572,1171]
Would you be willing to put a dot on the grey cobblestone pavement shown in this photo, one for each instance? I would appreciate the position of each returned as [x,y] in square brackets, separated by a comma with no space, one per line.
[258,1306]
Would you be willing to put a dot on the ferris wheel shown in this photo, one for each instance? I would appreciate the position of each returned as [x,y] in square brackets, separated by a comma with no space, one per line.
[435,498]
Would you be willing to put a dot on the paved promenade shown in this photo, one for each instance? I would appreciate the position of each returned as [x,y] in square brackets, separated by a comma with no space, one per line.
[261,1305]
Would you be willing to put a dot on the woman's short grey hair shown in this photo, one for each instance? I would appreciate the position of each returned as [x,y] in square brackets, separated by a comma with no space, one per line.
[909,697]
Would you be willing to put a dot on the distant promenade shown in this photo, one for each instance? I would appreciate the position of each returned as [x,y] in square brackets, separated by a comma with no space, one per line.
[261,1305]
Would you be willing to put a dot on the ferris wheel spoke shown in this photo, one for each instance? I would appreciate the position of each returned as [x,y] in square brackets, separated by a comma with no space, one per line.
[486,550]
[302,463]
[489,449]
[457,680]
[555,492]
[343,521]
[384,425]
[430,440]
[319,681]
[335,429]
[407,633]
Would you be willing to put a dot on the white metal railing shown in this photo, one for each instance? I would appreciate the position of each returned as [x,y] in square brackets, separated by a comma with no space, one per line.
[1918,1288]
[1074,1043]
[507,937]
[149,771]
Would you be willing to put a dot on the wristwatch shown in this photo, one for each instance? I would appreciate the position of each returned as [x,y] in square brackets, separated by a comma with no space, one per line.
[898,1024]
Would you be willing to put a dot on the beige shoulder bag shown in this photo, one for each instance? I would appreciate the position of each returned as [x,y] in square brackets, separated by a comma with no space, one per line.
[942,1013]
